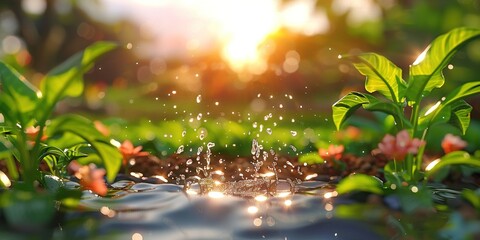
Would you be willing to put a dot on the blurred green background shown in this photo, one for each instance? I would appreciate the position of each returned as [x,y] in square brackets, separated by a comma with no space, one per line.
[191,72]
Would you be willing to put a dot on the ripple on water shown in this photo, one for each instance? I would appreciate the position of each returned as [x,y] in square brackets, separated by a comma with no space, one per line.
[164,211]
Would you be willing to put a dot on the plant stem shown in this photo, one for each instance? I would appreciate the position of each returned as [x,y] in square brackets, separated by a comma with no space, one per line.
[414,118]
[421,150]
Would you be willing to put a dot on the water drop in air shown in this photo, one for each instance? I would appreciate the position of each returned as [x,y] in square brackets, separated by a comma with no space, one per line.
[269,131]
[180,149]
[199,98]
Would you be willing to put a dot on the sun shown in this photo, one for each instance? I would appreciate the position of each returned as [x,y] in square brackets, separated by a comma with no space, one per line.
[244,26]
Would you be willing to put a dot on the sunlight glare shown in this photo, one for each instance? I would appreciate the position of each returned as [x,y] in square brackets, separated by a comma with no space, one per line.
[432,164]
[245,26]
[421,57]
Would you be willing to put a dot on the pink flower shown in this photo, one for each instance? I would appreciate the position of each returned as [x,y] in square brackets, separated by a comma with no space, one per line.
[102,128]
[32,133]
[91,177]
[452,143]
[334,152]
[129,151]
[399,146]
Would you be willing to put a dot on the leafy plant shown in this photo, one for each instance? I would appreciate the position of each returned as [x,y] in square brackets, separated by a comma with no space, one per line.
[27,113]
[400,97]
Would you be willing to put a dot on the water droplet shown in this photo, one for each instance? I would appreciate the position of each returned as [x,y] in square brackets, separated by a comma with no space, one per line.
[202,136]
[199,116]
[210,145]
[199,98]
[269,131]
[294,133]
[293,148]
[180,149]
[184,133]
[189,161]
[217,103]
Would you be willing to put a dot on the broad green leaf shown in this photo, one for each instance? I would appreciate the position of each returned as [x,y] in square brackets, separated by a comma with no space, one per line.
[310,158]
[426,71]
[344,107]
[391,109]
[360,182]
[17,95]
[454,158]
[473,197]
[381,75]
[85,129]
[28,209]
[413,200]
[460,117]
[66,80]
[454,99]
[6,154]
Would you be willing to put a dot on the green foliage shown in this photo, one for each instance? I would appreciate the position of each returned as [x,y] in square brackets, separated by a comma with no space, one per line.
[473,197]
[454,158]
[360,182]
[425,74]
[310,158]
[23,106]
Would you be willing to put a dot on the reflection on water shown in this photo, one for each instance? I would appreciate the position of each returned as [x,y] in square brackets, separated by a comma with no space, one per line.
[166,211]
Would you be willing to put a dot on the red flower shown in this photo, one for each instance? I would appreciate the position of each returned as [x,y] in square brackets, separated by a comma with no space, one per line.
[399,146]
[32,133]
[102,128]
[452,143]
[129,151]
[334,152]
[91,177]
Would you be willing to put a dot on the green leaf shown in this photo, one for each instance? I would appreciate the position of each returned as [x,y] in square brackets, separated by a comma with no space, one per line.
[310,158]
[344,107]
[17,95]
[459,108]
[84,128]
[426,71]
[461,115]
[28,209]
[392,109]
[6,154]
[381,75]
[454,158]
[66,80]
[360,182]
[473,197]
